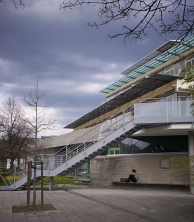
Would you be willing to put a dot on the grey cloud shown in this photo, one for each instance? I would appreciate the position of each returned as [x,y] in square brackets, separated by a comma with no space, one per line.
[73,62]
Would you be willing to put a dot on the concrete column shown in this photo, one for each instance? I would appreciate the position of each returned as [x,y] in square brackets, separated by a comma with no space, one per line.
[191,155]
[51,183]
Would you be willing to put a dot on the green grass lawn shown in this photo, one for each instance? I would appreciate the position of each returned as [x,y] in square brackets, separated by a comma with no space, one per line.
[58,180]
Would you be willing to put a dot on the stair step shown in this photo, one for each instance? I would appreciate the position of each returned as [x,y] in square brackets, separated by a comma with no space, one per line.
[24,186]
[71,168]
[113,141]
[123,136]
[99,150]
[108,144]
[65,172]
[92,156]
[78,164]
[118,139]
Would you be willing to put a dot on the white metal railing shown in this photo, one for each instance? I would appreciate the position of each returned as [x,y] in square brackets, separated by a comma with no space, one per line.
[167,110]
[14,175]
[81,144]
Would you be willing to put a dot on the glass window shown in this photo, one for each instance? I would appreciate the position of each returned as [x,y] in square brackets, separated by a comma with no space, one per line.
[169,71]
[190,58]
[178,67]
[189,62]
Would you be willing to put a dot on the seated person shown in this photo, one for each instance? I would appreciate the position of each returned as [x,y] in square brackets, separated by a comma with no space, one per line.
[132,177]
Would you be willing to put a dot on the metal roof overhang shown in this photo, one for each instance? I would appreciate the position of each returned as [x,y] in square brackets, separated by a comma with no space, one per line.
[151,61]
[143,87]
[152,55]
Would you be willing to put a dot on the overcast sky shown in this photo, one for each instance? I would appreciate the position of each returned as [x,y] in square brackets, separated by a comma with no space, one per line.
[73,62]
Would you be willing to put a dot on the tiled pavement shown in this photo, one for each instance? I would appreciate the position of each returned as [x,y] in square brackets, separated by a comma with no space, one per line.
[106,205]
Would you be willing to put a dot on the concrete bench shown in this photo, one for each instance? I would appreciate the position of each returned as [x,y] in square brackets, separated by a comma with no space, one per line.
[139,185]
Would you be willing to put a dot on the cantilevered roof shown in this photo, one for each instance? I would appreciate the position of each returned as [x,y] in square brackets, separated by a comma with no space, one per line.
[150,56]
[143,66]
[146,85]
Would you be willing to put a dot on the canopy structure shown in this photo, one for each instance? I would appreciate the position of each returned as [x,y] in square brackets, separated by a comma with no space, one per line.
[151,56]
[146,85]
[150,62]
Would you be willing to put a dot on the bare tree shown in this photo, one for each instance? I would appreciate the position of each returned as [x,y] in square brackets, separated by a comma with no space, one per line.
[3,159]
[15,2]
[173,17]
[15,133]
[38,123]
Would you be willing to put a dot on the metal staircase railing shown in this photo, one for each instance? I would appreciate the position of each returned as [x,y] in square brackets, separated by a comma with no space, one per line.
[10,178]
[83,143]
[78,149]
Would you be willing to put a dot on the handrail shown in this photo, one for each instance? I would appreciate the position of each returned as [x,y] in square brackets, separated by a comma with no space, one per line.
[14,175]
[131,106]
[82,143]
[148,100]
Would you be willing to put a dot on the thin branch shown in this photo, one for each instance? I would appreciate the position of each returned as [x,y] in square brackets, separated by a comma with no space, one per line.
[163,16]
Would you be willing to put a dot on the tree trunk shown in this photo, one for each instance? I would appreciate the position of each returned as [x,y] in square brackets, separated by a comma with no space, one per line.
[11,163]
[34,189]
[18,161]
[35,154]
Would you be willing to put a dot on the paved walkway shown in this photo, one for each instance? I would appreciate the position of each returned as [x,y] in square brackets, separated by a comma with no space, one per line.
[99,204]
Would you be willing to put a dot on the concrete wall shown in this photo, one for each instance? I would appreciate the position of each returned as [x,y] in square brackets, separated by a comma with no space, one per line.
[151,168]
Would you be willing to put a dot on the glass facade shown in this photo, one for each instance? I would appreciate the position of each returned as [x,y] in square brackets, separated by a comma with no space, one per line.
[169,71]
[163,58]
[175,70]
[189,62]
[155,144]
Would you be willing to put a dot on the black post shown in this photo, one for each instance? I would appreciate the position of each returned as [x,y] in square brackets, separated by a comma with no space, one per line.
[28,187]
[41,183]
[29,182]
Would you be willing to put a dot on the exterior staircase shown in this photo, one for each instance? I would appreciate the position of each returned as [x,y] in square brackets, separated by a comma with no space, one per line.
[116,128]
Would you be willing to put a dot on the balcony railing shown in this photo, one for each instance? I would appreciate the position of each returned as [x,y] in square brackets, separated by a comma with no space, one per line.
[173,110]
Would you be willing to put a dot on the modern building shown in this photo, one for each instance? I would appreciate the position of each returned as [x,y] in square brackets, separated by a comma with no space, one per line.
[151,93]
[146,119]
